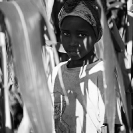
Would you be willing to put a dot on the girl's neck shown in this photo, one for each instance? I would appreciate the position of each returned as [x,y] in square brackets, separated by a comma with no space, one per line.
[81,62]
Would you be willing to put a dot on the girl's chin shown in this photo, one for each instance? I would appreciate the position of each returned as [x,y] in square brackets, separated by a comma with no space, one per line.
[74,56]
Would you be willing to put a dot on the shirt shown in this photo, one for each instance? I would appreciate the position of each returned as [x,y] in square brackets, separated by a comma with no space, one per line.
[84,88]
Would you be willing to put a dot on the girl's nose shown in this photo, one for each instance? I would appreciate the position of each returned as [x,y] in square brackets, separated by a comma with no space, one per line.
[73,41]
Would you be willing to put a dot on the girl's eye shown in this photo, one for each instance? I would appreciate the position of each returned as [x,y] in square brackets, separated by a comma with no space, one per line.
[81,35]
[65,33]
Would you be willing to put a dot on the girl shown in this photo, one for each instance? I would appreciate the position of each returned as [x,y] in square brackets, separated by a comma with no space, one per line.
[82,74]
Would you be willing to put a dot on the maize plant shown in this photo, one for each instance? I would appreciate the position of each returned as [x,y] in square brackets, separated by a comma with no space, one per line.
[29,66]
[26,31]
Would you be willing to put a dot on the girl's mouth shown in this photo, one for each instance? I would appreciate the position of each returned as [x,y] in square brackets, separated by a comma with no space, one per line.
[73,53]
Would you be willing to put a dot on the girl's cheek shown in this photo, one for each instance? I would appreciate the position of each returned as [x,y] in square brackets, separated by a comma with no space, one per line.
[65,41]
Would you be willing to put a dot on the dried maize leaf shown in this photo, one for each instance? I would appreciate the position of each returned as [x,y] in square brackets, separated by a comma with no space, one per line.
[24,25]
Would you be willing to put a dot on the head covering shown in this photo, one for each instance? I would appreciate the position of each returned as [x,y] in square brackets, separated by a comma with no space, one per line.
[86,9]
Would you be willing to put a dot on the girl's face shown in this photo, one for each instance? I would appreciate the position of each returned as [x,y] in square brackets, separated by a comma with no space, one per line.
[77,36]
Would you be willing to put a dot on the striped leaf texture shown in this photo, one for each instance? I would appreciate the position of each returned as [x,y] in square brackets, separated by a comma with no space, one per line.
[112,74]
[24,24]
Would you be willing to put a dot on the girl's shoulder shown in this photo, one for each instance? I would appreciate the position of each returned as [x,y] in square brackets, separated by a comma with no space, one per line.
[58,67]
[55,71]
[96,67]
